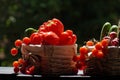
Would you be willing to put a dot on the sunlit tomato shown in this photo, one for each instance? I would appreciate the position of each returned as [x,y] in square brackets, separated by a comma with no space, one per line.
[54,25]
[65,39]
[21,61]
[18,43]
[26,40]
[14,51]
[98,46]
[50,38]
[89,43]
[83,50]
[15,64]
[36,38]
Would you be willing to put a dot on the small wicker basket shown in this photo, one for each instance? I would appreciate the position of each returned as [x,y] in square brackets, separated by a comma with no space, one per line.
[51,60]
[109,65]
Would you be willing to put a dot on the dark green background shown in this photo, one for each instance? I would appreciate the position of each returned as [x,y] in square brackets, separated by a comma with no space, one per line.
[84,17]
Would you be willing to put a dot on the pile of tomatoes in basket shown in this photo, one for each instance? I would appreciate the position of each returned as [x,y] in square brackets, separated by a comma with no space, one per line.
[49,33]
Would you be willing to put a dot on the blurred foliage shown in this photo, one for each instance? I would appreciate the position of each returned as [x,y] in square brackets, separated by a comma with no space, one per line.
[84,17]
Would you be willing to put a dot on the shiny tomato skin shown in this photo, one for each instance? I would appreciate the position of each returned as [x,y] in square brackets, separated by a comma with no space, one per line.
[26,40]
[18,43]
[68,38]
[54,25]
[50,38]
[36,38]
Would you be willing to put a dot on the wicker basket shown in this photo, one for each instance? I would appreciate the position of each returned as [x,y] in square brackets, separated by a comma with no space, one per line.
[53,60]
[107,66]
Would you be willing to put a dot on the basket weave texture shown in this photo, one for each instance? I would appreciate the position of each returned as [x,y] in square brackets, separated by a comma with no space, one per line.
[53,60]
[108,65]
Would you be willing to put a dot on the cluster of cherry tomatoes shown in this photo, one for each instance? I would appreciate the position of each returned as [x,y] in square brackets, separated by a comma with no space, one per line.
[49,33]
[98,50]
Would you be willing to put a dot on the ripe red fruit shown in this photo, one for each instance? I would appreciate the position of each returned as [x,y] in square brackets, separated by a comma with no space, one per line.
[105,42]
[115,42]
[21,61]
[15,64]
[70,32]
[31,69]
[94,52]
[50,38]
[26,40]
[65,39]
[54,25]
[98,46]
[16,69]
[99,54]
[14,51]
[89,43]
[36,38]
[18,43]
[113,35]
[83,50]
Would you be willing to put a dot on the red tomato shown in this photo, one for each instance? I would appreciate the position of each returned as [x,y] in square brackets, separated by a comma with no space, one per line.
[70,32]
[26,40]
[36,38]
[42,28]
[15,64]
[54,25]
[65,39]
[18,43]
[14,51]
[50,38]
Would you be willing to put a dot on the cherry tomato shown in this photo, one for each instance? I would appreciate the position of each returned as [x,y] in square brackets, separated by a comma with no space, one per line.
[70,32]
[18,43]
[26,40]
[83,50]
[15,64]
[14,51]
[36,38]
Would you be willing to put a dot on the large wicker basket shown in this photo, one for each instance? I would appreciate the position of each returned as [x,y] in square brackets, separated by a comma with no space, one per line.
[51,60]
[107,66]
